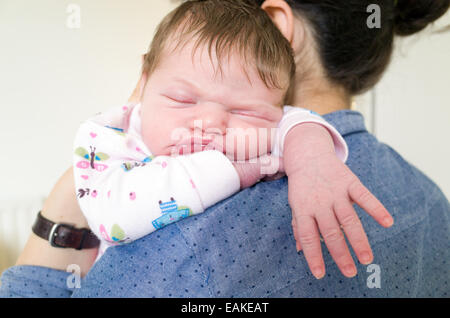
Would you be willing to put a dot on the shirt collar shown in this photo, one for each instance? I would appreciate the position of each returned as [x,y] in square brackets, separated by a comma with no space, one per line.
[346,121]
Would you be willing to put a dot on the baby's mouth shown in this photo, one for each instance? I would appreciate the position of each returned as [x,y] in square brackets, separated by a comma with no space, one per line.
[195,144]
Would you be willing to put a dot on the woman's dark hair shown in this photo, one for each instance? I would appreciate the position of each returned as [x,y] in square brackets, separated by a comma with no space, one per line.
[354,55]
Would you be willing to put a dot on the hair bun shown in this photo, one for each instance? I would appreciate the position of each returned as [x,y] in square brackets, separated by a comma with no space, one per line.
[412,16]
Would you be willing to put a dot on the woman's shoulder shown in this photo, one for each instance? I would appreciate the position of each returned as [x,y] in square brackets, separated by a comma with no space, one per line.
[406,192]
[403,189]
[381,166]
[377,162]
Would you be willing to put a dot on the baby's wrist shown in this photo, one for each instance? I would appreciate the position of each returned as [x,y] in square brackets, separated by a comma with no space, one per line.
[249,173]
[306,141]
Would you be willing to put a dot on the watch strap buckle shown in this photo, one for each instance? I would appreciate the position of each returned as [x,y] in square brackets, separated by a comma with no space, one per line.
[63,235]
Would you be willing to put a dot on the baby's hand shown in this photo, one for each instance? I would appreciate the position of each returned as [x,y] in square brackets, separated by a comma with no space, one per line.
[267,167]
[322,190]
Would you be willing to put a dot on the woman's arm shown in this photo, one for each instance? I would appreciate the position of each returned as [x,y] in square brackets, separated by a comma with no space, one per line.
[61,206]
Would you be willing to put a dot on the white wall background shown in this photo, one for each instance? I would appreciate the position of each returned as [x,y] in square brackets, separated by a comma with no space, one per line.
[409,109]
[413,103]
[52,77]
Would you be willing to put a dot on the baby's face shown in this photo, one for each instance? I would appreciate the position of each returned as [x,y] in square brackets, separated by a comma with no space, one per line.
[187,103]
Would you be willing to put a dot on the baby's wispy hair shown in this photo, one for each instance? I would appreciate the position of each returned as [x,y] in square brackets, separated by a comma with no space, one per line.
[226,27]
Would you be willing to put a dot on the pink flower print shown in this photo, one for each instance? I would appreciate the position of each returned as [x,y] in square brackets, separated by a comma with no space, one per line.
[94,193]
[104,234]
[132,196]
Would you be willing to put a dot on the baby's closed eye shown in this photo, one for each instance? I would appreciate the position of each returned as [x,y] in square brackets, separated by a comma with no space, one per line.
[249,114]
[180,98]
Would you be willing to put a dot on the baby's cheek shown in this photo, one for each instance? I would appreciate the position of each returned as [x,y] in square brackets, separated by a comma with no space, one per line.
[159,137]
[149,135]
[265,140]
[148,141]
[248,143]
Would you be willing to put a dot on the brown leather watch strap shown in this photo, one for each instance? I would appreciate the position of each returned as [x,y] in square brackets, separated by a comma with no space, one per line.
[64,235]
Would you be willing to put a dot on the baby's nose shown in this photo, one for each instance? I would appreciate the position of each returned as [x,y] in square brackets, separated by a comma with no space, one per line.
[212,121]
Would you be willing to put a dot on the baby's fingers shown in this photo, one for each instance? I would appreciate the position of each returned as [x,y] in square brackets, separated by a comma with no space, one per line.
[310,243]
[336,244]
[367,201]
[296,236]
[354,231]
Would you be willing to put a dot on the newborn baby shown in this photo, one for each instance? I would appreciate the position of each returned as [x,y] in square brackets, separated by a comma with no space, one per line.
[210,122]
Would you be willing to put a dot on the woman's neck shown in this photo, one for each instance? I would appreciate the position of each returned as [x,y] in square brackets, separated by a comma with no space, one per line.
[324,104]
[320,97]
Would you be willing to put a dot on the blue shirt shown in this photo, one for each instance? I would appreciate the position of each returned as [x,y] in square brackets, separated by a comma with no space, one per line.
[244,246]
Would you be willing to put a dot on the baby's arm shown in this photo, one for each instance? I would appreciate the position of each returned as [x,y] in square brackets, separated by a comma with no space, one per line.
[126,202]
[322,190]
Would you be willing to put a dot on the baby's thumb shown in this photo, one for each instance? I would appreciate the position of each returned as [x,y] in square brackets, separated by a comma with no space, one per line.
[270,165]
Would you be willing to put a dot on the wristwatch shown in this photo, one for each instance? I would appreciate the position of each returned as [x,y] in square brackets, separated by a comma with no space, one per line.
[64,235]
